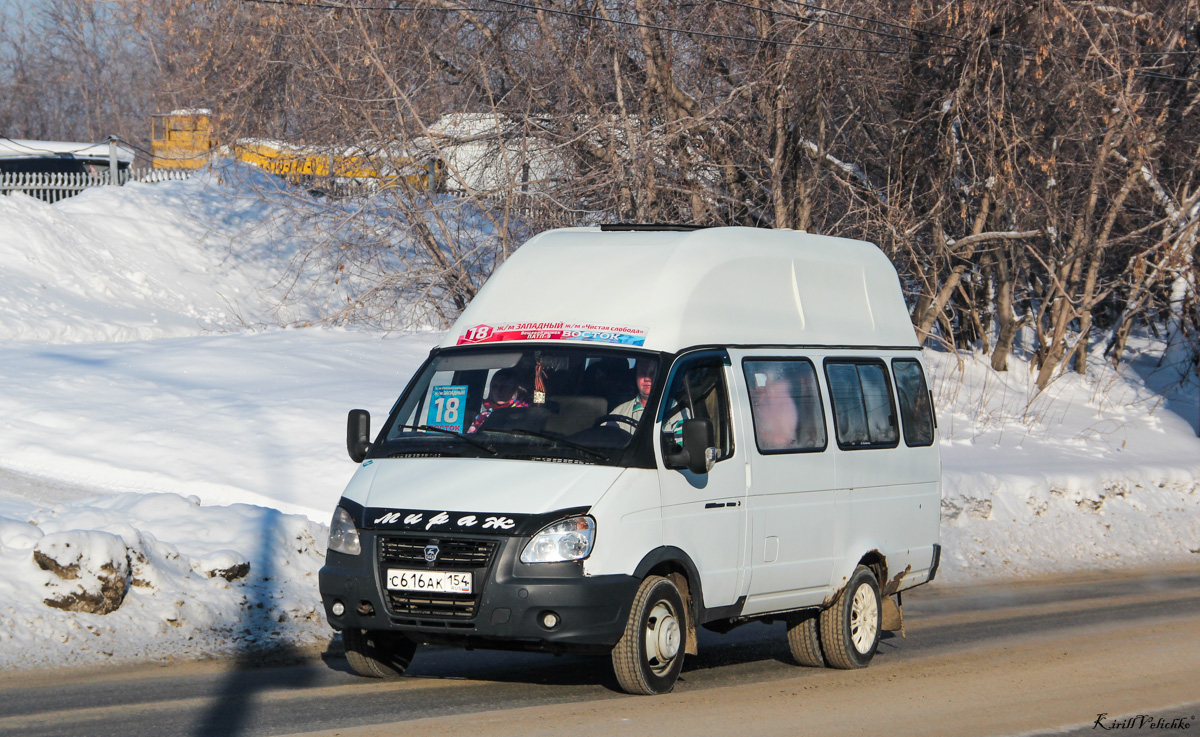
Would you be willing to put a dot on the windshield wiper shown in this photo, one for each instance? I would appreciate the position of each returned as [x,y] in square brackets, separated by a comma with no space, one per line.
[460,435]
[552,438]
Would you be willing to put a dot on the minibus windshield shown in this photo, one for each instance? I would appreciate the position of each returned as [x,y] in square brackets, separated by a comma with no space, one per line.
[573,403]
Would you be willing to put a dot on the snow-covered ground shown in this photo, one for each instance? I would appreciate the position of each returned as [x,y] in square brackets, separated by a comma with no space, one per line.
[1100,470]
[170,452]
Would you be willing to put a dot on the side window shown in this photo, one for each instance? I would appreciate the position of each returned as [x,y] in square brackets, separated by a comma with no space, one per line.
[916,410]
[785,404]
[862,404]
[698,392]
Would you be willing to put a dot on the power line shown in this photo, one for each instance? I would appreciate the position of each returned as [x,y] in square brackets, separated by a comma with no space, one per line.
[956,39]
[389,8]
[828,22]
[706,34]
[871,20]
[1147,52]
[1151,75]
[516,7]
[137,147]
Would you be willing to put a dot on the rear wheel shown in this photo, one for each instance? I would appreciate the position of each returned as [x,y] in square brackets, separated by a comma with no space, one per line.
[378,654]
[850,628]
[804,641]
[649,656]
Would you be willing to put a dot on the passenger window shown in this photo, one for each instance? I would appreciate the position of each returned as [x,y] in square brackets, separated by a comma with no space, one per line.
[698,392]
[916,409]
[785,405]
[862,404]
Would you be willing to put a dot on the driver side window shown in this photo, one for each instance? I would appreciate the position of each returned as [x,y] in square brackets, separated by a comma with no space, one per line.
[697,391]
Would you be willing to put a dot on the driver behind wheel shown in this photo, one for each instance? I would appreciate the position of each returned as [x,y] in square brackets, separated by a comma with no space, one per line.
[645,372]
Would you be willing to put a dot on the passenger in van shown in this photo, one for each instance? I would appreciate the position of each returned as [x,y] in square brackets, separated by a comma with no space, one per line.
[775,416]
[786,411]
[506,391]
[645,373]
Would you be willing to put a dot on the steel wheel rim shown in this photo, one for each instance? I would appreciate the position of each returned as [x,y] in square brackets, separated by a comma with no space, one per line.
[662,638]
[864,619]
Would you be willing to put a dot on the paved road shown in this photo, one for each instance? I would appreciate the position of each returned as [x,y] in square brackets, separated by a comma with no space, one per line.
[1031,658]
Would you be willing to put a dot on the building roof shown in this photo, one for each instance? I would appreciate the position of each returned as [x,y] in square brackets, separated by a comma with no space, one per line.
[13,148]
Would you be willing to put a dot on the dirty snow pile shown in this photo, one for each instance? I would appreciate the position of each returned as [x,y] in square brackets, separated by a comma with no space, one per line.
[142,576]
[170,454]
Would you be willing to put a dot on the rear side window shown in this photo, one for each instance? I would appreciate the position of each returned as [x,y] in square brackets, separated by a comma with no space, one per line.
[862,404]
[916,410]
[785,404]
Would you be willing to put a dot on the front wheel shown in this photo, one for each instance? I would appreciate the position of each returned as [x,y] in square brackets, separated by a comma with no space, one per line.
[850,628]
[378,654]
[648,657]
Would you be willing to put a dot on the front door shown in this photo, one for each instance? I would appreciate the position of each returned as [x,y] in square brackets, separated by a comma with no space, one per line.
[704,514]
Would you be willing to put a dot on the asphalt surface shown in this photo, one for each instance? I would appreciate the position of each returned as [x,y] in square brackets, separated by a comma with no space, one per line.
[249,698]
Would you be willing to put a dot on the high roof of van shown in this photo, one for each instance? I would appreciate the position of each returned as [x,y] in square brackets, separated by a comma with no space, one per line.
[670,290]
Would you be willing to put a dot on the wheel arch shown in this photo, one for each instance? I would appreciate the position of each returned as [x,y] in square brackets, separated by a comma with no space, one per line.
[872,559]
[672,563]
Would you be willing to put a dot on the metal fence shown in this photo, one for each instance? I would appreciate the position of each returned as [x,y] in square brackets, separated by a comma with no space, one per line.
[52,187]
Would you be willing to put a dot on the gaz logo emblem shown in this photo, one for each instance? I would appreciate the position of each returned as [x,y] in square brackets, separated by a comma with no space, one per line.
[431,553]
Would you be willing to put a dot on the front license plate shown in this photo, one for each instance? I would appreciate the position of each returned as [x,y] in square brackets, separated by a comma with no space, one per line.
[442,582]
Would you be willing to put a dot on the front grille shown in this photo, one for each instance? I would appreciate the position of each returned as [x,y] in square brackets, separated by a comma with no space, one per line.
[436,606]
[453,554]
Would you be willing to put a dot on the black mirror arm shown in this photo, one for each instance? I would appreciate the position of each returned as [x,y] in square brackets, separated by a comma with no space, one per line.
[678,459]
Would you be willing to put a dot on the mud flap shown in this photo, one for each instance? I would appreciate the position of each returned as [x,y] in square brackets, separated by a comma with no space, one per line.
[892,615]
[692,646]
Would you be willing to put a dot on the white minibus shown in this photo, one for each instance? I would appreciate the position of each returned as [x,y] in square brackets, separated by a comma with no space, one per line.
[635,431]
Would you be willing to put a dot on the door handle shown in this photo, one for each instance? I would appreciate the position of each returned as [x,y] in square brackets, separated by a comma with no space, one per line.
[722,505]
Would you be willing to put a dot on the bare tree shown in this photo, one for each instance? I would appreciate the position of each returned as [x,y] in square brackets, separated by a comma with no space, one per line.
[1030,167]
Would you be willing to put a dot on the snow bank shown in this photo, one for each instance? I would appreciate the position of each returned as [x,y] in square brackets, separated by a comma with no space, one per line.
[1101,470]
[186,580]
[257,418]
[230,249]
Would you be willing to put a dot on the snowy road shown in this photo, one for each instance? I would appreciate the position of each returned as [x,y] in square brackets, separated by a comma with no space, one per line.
[1021,658]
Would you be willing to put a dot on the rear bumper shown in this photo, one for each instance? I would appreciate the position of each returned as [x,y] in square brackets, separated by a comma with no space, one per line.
[937,561]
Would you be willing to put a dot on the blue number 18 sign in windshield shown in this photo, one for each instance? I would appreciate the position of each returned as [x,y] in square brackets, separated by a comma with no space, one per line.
[447,408]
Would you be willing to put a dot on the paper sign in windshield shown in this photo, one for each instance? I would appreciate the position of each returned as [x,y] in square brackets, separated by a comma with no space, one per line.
[619,334]
[447,407]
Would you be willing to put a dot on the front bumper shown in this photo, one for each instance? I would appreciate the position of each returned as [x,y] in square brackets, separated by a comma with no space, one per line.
[506,611]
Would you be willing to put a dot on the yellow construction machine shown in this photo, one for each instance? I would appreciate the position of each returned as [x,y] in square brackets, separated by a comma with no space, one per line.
[185,139]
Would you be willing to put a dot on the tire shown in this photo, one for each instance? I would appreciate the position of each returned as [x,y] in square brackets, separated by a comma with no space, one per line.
[648,657]
[850,628]
[378,654]
[804,641]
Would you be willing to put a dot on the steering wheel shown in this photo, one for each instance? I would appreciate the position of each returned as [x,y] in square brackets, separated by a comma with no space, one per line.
[617,419]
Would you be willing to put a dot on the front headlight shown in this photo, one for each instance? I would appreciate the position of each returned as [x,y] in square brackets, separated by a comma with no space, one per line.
[343,535]
[567,539]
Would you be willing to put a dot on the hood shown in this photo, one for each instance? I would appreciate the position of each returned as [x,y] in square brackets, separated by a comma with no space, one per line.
[483,485]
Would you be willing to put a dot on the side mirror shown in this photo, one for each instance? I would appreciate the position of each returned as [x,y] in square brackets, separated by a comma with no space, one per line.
[358,434]
[698,454]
